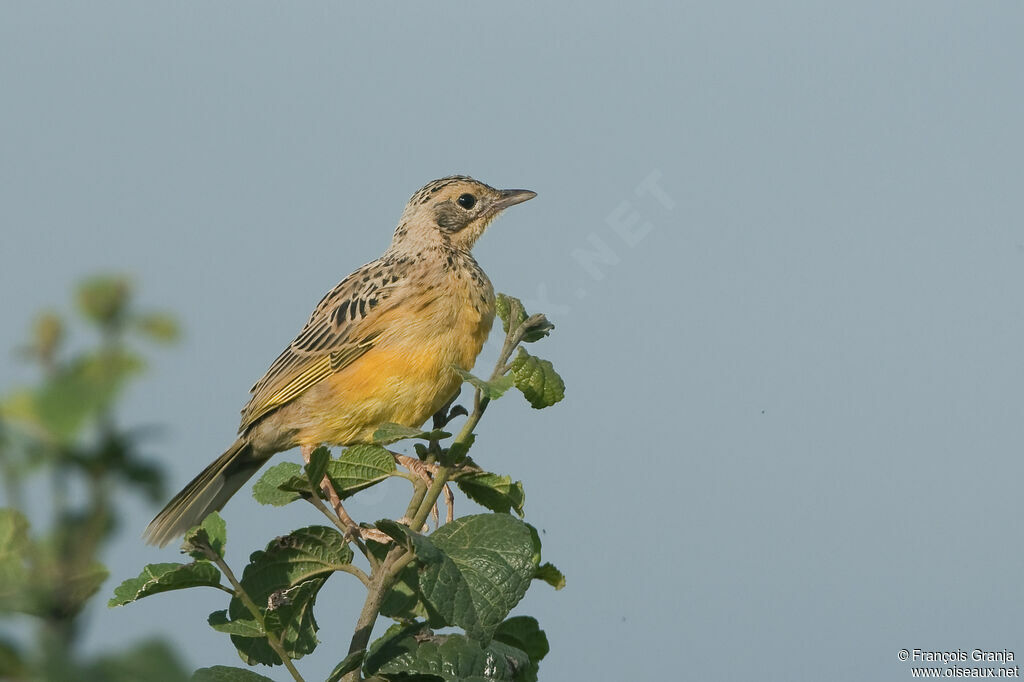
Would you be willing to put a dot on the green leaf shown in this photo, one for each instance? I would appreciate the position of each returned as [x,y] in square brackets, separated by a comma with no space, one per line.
[513,315]
[537,379]
[551,575]
[104,298]
[402,602]
[14,571]
[269,489]
[291,609]
[510,310]
[497,493]
[489,389]
[394,530]
[475,570]
[242,627]
[359,467]
[152,660]
[212,532]
[456,453]
[284,580]
[73,394]
[12,665]
[31,573]
[224,673]
[351,662]
[159,327]
[318,460]
[414,649]
[157,578]
[390,432]
[524,633]
[537,327]
[84,583]
[47,336]
[546,573]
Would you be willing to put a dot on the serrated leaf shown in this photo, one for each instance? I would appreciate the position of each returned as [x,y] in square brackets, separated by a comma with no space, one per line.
[290,559]
[513,314]
[351,662]
[475,570]
[224,673]
[524,633]
[415,650]
[537,327]
[292,609]
[212,532]
[489,389]
[537,379]
[390,432]
[317,466]
[497,493]
[360,467]
[549,574]
[510,311]
[269,490]
[242,627]
[284,580]
[157,578]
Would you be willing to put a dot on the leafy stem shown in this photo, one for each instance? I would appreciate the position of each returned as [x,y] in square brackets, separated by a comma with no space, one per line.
[384,576]
[469,573]
[273,640]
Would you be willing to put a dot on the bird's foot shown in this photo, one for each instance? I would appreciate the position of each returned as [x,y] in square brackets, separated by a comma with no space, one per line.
[352,528]
[426,472]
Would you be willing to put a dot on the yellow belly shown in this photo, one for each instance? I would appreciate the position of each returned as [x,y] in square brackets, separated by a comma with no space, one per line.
[401,382]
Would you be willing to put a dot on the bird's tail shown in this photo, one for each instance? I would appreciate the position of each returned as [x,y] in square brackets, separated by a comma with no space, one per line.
[207,492]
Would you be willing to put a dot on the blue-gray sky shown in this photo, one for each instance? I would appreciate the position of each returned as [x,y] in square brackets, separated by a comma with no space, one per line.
[790,445]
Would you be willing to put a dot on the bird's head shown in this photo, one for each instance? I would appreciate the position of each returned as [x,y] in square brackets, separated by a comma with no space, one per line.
[456,210]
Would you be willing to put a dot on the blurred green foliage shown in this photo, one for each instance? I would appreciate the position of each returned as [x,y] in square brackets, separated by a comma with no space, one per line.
[60,436]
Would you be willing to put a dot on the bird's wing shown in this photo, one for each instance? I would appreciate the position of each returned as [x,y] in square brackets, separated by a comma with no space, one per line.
[344,326]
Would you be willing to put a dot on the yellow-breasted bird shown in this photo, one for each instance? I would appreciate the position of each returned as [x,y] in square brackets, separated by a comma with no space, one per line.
[380,347]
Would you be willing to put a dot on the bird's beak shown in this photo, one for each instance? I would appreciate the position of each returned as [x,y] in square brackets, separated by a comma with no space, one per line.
[511,197]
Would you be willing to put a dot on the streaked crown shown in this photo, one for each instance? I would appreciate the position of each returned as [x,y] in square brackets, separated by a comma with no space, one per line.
[456,209]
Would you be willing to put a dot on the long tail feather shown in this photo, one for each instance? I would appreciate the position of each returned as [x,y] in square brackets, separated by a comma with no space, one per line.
[206,493]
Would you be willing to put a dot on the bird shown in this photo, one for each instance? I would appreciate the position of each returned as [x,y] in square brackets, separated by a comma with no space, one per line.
[382,346]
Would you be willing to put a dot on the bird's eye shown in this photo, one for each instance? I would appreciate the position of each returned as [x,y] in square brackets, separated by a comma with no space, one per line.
[467,201]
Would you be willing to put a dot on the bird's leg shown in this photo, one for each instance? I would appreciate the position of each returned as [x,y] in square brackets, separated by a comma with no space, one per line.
[332,494]
[426,472]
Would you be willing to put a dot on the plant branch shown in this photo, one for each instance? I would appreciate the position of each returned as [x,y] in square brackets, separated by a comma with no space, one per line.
[347,531]
[383,577]
[257,614]
[354,570]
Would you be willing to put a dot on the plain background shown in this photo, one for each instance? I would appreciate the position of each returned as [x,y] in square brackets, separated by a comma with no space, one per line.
[790,444]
